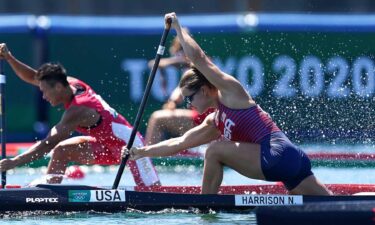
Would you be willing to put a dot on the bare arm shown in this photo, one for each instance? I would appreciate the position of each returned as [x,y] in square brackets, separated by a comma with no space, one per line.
[228,86]
[23,71]
[174,99]
[204,133]
[42,148]
[72,118]
[177,61]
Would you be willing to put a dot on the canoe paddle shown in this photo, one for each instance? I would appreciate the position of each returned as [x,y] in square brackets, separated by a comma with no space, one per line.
[2,121]
[159,53]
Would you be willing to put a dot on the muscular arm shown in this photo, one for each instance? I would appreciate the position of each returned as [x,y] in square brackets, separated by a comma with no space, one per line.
[23,71]
[174,99]
[40,149]
[75,116]
[231,91]
[177,61]
[204,133]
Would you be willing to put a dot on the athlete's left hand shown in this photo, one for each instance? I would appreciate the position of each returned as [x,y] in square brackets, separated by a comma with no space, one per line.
[134,153]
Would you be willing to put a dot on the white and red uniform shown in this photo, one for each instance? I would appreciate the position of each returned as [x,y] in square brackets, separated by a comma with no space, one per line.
[110,134]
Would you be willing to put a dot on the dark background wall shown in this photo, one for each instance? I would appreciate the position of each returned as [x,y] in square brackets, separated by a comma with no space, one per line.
[316,47]
[314,74]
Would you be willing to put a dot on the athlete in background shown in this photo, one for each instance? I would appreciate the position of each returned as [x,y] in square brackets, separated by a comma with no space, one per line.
[103,130]
[172,121]
[240,134]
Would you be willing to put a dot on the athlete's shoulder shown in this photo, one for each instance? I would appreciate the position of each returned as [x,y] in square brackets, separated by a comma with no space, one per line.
[78,111]
[72,79]
[210,118]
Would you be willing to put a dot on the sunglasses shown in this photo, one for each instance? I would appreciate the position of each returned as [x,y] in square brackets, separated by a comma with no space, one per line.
[189,99]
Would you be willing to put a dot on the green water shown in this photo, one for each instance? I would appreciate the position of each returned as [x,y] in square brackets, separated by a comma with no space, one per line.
[169,217]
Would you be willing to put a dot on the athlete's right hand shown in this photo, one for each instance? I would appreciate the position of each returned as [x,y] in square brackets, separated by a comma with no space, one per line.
[172,16]
[7,164]
[4,51]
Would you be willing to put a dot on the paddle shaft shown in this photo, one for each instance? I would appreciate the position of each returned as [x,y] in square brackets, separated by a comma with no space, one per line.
[159,53]
[2,121]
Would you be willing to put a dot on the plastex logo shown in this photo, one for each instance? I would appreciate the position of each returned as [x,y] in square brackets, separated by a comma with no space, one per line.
[79,196]
[42,200]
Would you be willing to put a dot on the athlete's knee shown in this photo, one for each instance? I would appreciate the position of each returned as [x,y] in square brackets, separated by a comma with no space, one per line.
[59,152]
[213,151]
[311,186]
[158,115]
